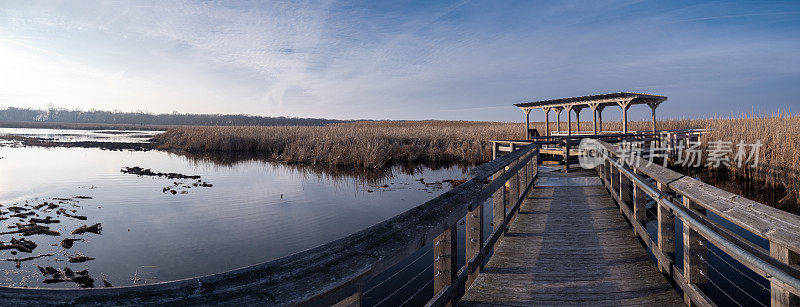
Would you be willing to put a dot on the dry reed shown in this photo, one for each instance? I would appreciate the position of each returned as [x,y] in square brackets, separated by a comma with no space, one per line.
[378,143]
[369,144]
[779,155]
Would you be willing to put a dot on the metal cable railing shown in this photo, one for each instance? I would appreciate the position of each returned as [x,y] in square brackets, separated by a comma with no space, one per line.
[783,276]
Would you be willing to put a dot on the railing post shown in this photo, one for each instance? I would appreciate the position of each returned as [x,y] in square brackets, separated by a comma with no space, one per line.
[566,155]
[780,296]
[614,179]
[499,201]
[624,188]
[524,175]
[474,239]
[513,188]
[666,230]
[445,266]
[639,205]
[694,255]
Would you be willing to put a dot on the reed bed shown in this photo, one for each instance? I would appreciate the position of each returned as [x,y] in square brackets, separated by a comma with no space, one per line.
[779,155]
[368,144]
[378,143]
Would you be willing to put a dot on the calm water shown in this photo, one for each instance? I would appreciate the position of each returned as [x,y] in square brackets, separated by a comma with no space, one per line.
[256,210]
[67,135]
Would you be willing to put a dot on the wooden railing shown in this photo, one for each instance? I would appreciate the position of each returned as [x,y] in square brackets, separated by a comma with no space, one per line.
[508,190]
[338,271]
[678,197]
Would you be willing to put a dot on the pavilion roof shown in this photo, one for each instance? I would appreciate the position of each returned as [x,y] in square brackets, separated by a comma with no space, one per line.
[602,99]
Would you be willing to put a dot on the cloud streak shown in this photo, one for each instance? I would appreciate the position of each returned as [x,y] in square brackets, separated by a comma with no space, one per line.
[406,60]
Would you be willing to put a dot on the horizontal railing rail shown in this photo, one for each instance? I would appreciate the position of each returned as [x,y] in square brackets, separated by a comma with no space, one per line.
[339,270]
[684,198]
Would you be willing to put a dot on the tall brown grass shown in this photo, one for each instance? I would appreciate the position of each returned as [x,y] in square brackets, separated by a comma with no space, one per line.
[369,144]
[779,155]
[377,143]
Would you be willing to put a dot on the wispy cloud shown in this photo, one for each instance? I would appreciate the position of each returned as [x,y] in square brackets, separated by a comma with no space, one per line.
[455,60]
[24,45]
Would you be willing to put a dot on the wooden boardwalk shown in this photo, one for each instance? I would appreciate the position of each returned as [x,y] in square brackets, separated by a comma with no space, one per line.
[570,245]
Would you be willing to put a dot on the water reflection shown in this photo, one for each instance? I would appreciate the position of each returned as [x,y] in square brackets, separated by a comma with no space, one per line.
[369,176]
[257,209]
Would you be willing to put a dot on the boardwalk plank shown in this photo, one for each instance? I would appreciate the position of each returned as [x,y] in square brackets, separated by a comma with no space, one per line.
[570,246]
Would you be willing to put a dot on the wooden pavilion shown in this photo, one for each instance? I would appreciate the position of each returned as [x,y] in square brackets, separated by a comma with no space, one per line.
[594,102]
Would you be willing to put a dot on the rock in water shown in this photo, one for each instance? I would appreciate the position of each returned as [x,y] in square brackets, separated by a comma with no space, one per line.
[96,229]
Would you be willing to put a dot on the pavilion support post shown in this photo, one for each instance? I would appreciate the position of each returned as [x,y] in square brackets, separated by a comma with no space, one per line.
[593,106]
[624,105]
[569,120]
[558,119]
[578,119]
[527,124]
[600,118]
[546,121]
[653,106]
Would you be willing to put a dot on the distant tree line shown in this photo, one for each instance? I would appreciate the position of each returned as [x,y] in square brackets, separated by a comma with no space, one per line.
[61,115]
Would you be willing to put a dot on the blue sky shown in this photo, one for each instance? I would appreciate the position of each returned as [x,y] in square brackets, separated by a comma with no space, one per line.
[398,59]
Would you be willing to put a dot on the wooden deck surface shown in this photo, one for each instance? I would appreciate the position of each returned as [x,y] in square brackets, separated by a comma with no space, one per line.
[569,245]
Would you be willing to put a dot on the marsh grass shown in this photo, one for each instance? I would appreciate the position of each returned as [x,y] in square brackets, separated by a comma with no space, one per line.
[379,143]
[369,143]
[779,156]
